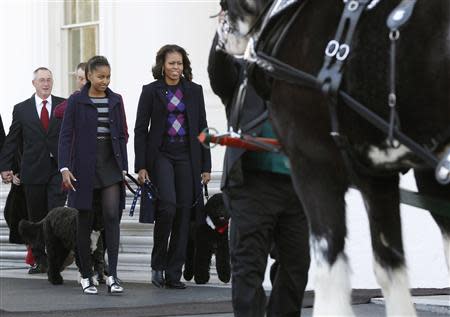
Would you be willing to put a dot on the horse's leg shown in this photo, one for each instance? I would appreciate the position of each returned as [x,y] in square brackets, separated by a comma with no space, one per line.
[321,189]
[426,184]
[382,202]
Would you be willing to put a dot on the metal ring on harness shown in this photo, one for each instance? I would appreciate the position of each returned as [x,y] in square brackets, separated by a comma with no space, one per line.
[353,5]
[394,35]
[343,52]
[332,48]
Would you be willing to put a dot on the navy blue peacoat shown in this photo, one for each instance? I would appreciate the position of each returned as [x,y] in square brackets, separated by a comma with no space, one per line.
[152,109]
[78,142]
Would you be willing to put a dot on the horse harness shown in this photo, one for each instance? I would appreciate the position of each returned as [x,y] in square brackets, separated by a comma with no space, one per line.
[329,79]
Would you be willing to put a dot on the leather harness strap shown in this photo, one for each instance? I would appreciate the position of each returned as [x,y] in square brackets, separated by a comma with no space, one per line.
[330,77]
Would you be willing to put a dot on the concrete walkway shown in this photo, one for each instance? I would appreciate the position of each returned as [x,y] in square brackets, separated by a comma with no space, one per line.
[25,295]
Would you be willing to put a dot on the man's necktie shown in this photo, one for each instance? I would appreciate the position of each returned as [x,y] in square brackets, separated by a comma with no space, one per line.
[44,115]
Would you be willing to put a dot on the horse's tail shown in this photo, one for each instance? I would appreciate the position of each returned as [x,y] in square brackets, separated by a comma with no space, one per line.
[30,230]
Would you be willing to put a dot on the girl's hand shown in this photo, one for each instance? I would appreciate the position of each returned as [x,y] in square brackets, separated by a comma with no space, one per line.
[206,177]
[68,177]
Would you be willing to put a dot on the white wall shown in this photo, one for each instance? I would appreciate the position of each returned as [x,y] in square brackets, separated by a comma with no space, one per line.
[131,32]
[23,34]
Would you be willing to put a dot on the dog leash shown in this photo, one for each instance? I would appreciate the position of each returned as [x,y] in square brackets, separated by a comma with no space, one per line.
[197,200]
[151,188]
[138,192]
[205,188]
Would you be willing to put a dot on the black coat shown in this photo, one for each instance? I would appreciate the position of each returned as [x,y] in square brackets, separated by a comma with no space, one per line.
[26,133]
[15,210]
[78,143]
[226,74]
[152,109]
[15,206]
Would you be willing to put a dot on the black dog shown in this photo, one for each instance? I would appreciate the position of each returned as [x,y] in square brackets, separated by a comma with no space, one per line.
[58,229]
[207,239]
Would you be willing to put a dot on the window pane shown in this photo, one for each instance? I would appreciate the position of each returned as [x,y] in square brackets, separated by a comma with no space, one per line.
[89,43]
[79,11]
[70,11]
[84,11]
[95,10]
[82,41]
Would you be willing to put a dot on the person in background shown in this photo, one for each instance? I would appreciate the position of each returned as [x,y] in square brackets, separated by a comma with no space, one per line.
[266,214]
[2,133]
[80,81]
[15,206]
[93,160]
[171,156]
[35,132]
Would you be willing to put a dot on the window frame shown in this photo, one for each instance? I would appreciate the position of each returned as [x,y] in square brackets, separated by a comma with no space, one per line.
[67,71]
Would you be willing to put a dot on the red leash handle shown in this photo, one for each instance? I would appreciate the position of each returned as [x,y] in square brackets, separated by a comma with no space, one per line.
[247,142]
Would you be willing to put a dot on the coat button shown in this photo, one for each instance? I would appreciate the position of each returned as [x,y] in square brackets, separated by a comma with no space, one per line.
[114,138]
[117,154]
[111,120]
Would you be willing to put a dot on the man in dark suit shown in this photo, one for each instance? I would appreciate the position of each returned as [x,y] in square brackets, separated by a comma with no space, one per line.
[266,214]
[35,131]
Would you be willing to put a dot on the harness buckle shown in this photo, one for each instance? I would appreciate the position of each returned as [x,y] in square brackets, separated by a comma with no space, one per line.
[392,100]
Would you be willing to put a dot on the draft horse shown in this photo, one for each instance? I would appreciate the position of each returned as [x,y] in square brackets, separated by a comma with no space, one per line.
[329,144]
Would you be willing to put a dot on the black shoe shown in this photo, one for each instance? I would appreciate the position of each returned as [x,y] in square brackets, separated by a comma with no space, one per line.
[175,285]
[37,269]
[158,278]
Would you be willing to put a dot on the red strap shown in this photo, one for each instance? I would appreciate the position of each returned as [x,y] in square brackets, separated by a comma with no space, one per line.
[222,229]
[29,258]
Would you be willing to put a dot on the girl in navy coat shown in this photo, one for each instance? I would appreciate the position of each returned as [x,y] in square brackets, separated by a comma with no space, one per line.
[93,158]
[170,154]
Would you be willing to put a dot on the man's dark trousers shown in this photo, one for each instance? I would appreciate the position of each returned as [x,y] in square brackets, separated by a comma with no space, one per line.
[265,209]
[41,198]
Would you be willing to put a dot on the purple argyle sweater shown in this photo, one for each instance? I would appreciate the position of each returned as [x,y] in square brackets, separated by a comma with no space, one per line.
[176,120]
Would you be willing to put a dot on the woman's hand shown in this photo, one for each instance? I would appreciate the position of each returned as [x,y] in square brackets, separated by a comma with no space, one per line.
[206,177]
[68,177]
[142,176]
[16,180]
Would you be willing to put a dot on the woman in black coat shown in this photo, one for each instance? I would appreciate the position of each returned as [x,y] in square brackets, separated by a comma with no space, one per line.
[171,156]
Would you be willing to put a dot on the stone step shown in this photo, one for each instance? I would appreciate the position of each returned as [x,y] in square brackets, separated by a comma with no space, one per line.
[125,224]
[135,243]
